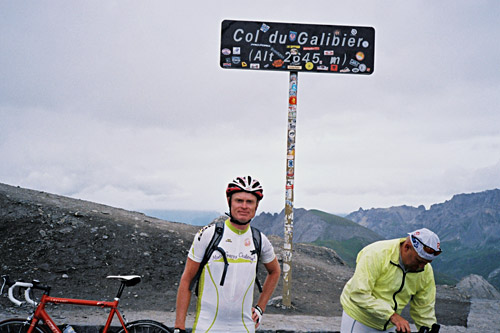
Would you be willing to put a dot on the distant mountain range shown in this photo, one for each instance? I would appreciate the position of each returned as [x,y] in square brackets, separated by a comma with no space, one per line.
[320,228]
[468,226]
[193,217]
[471,219]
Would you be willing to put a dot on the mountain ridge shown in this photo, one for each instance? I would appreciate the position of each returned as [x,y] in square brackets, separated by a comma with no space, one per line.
[468,226]
[478,214]
[320,228]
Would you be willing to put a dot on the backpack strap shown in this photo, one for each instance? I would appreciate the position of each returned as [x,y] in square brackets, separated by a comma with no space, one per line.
[257,242]
[212,246]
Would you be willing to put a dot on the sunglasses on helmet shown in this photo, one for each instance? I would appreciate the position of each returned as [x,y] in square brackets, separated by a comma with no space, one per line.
[427,249]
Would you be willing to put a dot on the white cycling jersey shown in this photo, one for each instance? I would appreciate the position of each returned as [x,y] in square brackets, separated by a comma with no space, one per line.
[227,308]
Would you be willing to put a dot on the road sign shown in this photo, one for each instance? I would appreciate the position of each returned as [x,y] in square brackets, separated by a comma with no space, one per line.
[297,47]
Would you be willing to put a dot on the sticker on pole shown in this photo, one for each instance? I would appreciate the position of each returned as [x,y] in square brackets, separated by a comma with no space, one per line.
[297,47]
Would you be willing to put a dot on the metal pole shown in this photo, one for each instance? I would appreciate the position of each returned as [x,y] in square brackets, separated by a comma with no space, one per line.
[290,176]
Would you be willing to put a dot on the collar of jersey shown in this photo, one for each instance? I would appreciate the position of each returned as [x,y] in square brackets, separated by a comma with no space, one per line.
[236,231]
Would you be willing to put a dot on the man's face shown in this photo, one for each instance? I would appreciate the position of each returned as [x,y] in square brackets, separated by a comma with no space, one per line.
[243,206]
[412,261]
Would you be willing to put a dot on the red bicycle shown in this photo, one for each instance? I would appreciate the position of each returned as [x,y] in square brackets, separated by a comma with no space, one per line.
[40,321]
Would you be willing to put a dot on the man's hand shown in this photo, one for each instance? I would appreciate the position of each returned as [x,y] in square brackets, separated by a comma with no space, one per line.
[257,315]
[402,325]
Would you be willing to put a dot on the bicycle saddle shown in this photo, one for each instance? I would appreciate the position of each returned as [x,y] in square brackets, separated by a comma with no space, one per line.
[128,280]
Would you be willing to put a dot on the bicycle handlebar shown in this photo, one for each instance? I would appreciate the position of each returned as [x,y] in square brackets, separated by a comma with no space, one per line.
[424,329]
[35,284]
[6,282]
[126,280]
[26,293]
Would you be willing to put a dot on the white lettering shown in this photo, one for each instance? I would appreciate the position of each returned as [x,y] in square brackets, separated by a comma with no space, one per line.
[236,38]
[303,37]
[273,37]
[258,56]
[277,38]
[327,39]
[248,37]
[256,36]
[282,39]
[334,60]
[335,41]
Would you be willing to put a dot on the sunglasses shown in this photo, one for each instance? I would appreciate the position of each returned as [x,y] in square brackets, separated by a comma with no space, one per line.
[427,249]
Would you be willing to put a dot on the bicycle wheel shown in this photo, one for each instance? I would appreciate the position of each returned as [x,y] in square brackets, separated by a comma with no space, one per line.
[145,326]
[20,326]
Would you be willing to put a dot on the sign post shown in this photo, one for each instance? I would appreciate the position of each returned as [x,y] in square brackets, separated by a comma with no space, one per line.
[290,178]
[295,47]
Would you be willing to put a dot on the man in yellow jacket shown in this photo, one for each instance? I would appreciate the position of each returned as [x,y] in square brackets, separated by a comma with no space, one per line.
[389,274]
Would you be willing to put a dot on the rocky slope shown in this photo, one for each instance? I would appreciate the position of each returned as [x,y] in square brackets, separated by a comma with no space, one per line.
[73,245]
[475,286]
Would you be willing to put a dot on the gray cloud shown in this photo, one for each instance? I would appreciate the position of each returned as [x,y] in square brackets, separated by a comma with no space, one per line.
[125,104]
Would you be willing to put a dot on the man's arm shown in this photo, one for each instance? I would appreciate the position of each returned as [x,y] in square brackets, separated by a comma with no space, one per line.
[422,304]
[273,275]
[184,294]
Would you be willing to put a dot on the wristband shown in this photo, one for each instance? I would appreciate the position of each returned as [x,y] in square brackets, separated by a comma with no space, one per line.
[259,313]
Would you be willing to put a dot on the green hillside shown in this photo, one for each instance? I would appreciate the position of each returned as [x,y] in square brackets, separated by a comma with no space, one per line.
[333,219]
[459,261]
[347,249]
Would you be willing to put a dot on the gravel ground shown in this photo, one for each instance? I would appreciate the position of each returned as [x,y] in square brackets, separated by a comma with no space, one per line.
[483,317]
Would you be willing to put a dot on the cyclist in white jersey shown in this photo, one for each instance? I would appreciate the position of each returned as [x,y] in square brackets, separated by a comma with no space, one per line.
[228,308]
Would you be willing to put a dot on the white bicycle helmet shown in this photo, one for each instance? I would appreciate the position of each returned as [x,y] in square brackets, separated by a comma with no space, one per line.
[245,184]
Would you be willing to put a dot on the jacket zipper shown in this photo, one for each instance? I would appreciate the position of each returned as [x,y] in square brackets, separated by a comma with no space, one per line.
[397,292]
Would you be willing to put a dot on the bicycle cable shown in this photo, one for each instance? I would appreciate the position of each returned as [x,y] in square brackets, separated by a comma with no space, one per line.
[3,285]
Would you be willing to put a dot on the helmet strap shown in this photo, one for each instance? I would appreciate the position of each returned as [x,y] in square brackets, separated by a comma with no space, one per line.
[233,220]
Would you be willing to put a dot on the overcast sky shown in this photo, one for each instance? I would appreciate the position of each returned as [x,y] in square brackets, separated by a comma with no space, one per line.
[124,103]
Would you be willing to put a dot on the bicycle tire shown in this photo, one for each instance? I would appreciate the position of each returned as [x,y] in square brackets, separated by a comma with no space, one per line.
[16,325]
[145,326]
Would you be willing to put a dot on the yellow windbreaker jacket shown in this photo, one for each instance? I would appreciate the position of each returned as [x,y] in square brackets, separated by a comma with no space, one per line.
[380,287]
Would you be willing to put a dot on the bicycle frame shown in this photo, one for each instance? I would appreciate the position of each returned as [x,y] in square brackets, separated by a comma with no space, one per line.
[41,314]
